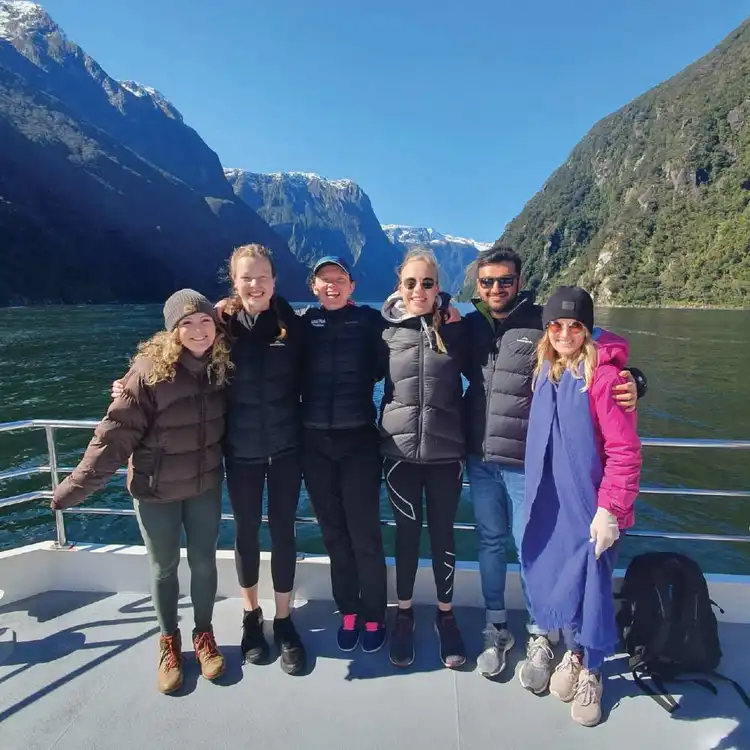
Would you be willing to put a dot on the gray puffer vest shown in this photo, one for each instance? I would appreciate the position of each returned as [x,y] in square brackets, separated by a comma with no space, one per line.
[421,415]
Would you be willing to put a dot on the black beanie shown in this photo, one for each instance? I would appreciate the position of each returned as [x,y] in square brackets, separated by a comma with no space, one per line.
[184,303]
[570,302]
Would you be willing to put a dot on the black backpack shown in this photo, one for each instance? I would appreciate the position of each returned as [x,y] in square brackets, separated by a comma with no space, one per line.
[668,626]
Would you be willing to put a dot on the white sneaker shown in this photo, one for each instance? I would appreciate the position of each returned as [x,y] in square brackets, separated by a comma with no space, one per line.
[535,670]
[491,662]
[564,680]
[587,701]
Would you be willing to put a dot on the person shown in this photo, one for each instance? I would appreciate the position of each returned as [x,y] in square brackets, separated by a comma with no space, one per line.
[341,453]
[422,444]
[168,423]
[501,337]
[263,447]
[583,462]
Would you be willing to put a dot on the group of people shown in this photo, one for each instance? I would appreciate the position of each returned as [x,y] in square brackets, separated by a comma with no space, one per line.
[272,396]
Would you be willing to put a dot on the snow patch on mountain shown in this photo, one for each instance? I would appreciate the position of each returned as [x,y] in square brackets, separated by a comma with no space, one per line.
[406,235]
[147,92]
[21,16]
[309,177]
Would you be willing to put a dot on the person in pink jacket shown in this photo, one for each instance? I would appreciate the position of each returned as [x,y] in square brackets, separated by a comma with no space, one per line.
[583,463]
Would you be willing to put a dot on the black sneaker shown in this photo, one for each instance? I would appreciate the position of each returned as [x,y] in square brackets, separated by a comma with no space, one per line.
[293,657]
[452,651]
[254,646]
[402,638]
[348,636]
[373,637]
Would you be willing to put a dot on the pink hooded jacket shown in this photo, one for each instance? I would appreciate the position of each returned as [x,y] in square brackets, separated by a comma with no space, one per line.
[617,439]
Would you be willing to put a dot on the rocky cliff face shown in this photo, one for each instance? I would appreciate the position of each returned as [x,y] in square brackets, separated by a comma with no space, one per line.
[103,185]
[320,217]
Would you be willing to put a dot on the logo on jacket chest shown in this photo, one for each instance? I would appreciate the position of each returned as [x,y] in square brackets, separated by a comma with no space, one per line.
[318,322]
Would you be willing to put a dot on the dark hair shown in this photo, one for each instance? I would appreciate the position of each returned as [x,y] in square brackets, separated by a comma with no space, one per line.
[499,253]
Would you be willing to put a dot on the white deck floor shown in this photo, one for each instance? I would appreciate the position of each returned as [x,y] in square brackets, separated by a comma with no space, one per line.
[82,673]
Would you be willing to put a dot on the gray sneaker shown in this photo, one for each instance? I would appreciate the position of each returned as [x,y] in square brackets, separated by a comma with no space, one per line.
[535,670]
[491,662]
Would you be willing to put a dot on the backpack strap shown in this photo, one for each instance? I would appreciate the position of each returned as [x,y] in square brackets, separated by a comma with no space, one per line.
[740,691]
[662,698]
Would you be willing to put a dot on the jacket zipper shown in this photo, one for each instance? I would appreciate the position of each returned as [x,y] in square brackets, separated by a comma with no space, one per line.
[333,366]
[202,435]
[421,394]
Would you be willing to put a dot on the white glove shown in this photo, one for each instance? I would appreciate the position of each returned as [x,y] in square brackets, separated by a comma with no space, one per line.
[604,531]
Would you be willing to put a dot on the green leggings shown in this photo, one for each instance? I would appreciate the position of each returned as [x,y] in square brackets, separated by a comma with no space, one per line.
[161,525]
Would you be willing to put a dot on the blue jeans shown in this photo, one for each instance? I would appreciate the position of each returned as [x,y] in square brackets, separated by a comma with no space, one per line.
[497,492]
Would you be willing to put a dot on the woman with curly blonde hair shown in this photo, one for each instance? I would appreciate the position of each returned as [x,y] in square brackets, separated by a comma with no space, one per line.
[168,423]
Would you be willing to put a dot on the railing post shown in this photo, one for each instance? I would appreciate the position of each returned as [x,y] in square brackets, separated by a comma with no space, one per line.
[49,430]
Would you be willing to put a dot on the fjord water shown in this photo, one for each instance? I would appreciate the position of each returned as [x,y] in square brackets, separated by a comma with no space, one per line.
[59,362]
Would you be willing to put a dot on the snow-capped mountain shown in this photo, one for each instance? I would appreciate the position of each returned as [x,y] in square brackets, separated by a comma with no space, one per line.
[117,197]
[426,235]
[453,253]
[317,217]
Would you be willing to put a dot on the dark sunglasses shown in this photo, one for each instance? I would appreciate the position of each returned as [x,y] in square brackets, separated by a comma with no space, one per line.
[504,282]
[411,283]
[574,326]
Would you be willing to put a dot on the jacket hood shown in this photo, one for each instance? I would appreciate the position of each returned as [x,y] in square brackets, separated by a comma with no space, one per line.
[394,311]
[612,348]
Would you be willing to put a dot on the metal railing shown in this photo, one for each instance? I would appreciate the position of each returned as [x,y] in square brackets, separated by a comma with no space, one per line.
[54,471]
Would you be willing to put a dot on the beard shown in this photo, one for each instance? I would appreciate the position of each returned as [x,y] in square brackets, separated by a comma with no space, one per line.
[504,305]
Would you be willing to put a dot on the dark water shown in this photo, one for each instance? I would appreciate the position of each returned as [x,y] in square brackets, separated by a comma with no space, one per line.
[60,362]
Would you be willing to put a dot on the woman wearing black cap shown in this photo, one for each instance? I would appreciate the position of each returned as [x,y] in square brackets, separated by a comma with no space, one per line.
[167,423]
[583,462]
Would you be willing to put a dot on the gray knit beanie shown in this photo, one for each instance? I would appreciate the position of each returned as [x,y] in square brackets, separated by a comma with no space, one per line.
[184,303]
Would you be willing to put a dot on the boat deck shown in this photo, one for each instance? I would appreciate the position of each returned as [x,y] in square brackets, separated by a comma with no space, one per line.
[81,675]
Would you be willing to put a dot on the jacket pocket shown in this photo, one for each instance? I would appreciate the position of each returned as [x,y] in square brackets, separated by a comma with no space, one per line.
[153,480]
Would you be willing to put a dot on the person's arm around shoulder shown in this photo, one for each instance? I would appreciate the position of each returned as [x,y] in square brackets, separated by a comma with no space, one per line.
[617,430]
[115,438]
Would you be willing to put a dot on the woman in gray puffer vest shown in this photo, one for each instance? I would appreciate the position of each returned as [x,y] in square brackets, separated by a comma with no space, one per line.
[423,445]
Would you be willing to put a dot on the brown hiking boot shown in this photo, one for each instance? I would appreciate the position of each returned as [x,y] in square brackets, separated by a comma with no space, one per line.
[208,655]
[169,675]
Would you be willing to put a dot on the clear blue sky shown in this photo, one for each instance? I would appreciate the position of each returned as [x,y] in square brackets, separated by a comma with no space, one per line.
[448,114]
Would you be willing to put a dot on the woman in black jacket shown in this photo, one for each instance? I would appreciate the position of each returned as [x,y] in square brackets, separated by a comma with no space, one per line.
[263,446]
[423,445]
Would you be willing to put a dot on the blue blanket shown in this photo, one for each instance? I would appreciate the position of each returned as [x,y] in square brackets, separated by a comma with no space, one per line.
[568,587]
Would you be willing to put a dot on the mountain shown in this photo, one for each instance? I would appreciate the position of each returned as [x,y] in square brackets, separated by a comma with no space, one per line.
[320,217]
[105,192]
[652,206]
[453,253]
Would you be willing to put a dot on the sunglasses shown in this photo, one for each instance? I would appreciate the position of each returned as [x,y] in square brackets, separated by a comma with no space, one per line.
[504,282]
[411,283]
[574,326]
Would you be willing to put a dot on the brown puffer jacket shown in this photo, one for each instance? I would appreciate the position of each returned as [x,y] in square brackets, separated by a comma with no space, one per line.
[171,433]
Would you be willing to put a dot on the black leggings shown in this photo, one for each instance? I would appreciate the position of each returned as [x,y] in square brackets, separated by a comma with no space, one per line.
[441,484]
[342,475]
[245,483]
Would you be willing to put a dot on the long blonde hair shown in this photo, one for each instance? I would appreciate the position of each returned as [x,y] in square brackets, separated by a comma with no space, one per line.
[253,250]
[427,256]
[581,365]
[163,351]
